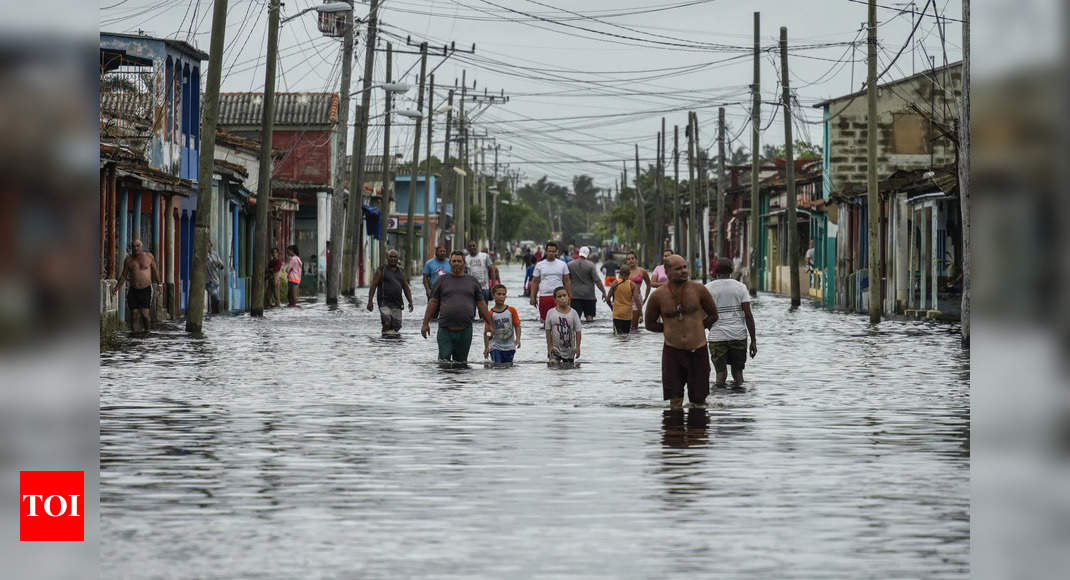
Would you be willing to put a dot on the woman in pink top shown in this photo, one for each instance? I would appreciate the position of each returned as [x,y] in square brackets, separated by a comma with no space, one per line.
[659,277]
[293,273]
[638,276]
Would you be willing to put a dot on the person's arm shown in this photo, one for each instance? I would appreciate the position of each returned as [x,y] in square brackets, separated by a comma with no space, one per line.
[579,334]
[535,288]
[486,340]
[431,310]
[516,329]
[750,328]
[427,284]
[654,281]
[653,315]
[549,344]
[646,278]
[610,296]
[122,278]
[601,287]
[407,291]
[566,281]
[705,300]
[496,275]
[371,291]
[481,306]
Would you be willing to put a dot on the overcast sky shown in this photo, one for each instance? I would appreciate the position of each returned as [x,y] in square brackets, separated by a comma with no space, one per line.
[586,80]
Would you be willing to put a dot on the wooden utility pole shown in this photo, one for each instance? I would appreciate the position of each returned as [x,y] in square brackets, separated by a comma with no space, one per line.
[262,234]
[755,162]
[659,203]
[692,237]
[410,230]
[388,176]
[789,175]
[447,173]
[205,168]
[873,209]
[460,210]
[641,208]
[719,241]
[964,171]
[704,195]
[428,239]
[354,230]
[338,205]
[676,231]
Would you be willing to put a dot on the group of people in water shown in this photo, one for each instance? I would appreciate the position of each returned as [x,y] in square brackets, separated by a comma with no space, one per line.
[701,324]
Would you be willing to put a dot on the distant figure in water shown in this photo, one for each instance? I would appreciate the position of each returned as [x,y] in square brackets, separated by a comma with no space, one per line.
[391,283]
[682,310]
[140,269]
[727,338]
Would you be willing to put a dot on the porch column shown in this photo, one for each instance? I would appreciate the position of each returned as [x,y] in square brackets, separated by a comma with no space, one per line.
[156,224]
[124,243]
[323,233]
[167,258]
[934,254]
[137,218]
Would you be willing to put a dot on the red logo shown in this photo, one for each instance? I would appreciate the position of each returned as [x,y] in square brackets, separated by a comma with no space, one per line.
[51,506]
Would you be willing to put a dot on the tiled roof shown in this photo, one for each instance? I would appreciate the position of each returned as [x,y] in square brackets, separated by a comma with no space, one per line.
[302,109]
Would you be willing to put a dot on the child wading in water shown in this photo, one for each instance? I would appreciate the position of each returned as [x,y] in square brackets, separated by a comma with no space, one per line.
[619,299]
[563,330]
[501,341]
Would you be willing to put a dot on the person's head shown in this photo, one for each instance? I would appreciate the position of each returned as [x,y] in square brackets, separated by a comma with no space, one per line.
[328,243]
[551,250]
[136,247]
[472,246]
[623,271]
[457,262]
[499,292]
[392,258]
[633,260]
[676,270]
[291,250]
[724,268]
[486,250]
[274,252]
[585,252]
[440,253]
[561,296]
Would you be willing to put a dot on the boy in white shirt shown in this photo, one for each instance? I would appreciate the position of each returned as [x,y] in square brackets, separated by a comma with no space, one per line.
[727,338]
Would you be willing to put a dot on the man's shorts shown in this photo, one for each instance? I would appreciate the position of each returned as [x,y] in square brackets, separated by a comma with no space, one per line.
[680,367]
[621,326]
[139,298]
[546,304]
[585,307]
[502,356]
[728,352]
[454,344]
[390,316]
[560,359]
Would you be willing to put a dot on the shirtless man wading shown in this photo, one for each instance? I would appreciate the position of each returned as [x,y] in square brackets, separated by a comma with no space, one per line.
[682,310]
[141,268]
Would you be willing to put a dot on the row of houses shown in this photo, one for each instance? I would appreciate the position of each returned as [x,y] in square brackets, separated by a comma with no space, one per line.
[150,123]
[920,217]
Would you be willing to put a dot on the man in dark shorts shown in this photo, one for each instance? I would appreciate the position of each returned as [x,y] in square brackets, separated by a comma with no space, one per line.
[391,282]
[682,310]
[584,276]
[455,299]
[140,266]
[728,337]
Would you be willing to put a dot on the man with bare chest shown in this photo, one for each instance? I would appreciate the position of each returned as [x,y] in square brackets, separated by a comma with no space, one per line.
[682,310]
[140,267]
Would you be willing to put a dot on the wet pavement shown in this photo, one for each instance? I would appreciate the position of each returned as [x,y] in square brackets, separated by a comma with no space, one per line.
[304,445]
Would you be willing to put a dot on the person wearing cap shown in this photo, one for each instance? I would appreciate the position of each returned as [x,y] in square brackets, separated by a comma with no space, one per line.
[727,338]
[434,269]
[584,276]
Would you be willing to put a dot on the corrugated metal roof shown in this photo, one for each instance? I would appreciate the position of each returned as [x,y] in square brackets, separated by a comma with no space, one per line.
[302,109]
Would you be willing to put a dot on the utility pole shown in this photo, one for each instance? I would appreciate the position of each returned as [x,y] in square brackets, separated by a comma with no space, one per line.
[873,209]
[719,237]
[428,239]
[789,174]
[676,231]
[704,193]
[494,206]
[691,236]
[659,201]
[205,168]
[388,176]
[641,208]
[262,234]
[354,245]
[462,192]
[447,174]
[755,161]
[964,171]
[337,197]
[410,235]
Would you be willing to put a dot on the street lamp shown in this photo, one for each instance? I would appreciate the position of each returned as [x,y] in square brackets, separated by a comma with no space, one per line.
[325,8]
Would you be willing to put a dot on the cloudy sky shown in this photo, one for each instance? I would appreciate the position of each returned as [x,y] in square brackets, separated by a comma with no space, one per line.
[587,80]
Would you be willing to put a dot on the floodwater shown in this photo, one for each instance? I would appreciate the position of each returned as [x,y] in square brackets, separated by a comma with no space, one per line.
[304,445]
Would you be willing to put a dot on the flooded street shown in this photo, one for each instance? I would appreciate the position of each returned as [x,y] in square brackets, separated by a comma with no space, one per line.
[304,445]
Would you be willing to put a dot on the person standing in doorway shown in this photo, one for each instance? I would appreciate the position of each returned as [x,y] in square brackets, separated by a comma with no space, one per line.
[434,269]
[549,274]
[455,299]
[271,275]
[682,309]
[391,282]
[727,338]
[584,276]
[294,268]
[211,279]
[140,267]
[481,268]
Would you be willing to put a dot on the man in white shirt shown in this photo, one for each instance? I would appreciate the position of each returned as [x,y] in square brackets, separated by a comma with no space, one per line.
[727,338]
[480,267]
[549,274]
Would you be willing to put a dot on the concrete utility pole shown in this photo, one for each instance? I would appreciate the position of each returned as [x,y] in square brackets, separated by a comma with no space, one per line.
[494,205]
[704,194]
[719,240]
[873,209]
[354,229]
[428,239]
[337,197]
[205,168]
[659,201]
[692,237]
[410,235]
[964,171]
[676,230]
[462,192]
[447,173]
[262,235]
[641,208]
[789,174]
[388,176]
[755,161]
